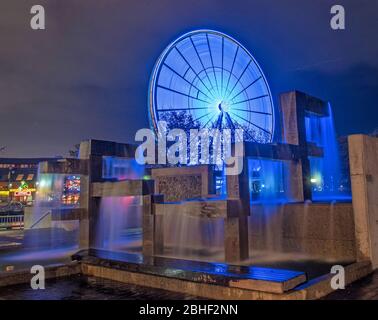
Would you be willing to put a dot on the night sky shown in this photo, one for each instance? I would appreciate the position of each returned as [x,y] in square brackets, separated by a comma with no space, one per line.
[86,75]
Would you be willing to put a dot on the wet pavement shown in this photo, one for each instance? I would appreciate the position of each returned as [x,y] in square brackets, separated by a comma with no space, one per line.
[80,287]
[364,289]
[21,257]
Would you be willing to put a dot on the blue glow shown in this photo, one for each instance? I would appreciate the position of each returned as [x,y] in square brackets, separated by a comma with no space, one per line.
[267,181]
[121,168]
[326,177]
[216,81]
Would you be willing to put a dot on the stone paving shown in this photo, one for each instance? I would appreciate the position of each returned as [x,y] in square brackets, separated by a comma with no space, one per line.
[364,289]
[88,288]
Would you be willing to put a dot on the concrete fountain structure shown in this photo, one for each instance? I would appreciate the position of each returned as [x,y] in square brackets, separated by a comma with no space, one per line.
[337,232]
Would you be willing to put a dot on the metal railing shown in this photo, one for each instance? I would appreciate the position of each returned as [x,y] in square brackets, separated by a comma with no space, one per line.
[12,221]
[40,219]
[12,206]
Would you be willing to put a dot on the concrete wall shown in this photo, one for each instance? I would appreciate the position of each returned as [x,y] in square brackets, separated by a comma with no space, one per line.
[38,221]
[322,231]
[363,158]
[180,183]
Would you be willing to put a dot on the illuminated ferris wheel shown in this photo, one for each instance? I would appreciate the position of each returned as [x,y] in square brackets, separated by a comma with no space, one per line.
[207,79]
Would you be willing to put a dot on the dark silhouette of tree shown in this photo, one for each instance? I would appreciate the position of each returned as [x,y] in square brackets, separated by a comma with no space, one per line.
[344,162]
[74,153]
[374,133]
[180,120]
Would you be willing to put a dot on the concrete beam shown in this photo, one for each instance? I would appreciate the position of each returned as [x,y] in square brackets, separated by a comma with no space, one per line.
[197,208]
[311,104]
[181,183]
[68,214]
[280,151]
[106,148]
[122,188]
[64,166]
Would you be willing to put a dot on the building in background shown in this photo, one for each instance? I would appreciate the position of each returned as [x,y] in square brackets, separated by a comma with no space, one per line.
[18,179]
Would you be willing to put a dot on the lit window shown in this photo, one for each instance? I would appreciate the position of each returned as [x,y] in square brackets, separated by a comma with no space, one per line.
[19,177]
[30,177]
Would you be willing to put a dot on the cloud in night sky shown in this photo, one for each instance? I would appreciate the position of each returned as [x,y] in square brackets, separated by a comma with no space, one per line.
[86,75]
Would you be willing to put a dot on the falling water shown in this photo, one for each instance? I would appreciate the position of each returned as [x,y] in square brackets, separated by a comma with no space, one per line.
[120,218]
[120,224]
[266,181]
[326,171]
[268,198]
[43,235]
[193,237]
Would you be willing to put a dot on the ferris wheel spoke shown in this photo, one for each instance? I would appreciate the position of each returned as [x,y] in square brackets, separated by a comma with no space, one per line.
[195,90]
[201,117]
[199,58]
[255,125]
[229,121]
[180,109]
[212,63]
[252,83]
[240,126]
[187,81]
[190,142]
[222,93]
[251,99]
[182,93]
[197,75]
[219,121]
[232,68]
[252,111]
[205,125]
[238,80]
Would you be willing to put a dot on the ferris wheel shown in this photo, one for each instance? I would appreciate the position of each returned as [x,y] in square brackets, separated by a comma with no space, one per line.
[207,79]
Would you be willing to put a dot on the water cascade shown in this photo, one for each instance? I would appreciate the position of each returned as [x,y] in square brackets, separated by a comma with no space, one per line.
[120,222]
[326,176]
[46,228]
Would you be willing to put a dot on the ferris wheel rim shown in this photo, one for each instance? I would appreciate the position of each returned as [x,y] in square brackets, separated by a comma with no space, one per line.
[153,118]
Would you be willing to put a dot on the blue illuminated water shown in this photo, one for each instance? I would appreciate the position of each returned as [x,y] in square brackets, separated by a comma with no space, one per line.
[54,194]
[326,175]
[120,224]
[120,218]
[121,168]
[267,181]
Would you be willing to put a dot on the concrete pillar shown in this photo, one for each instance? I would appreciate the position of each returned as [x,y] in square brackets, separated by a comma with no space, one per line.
[236,223]
[363,159]
[236,245]
[152,226]
[90,215]
[294,180]
[293,110]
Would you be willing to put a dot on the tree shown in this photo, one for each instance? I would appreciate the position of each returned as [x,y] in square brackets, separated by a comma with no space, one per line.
[74,153]
[180,120]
